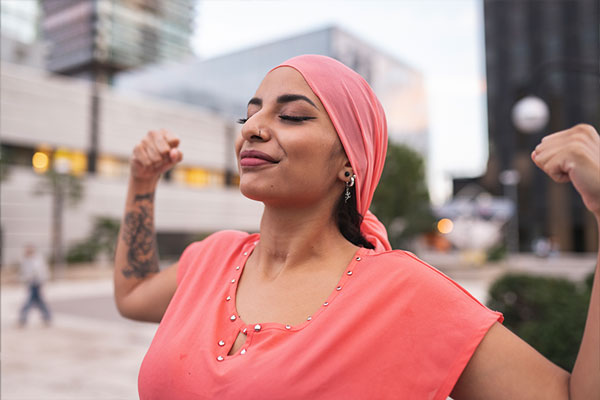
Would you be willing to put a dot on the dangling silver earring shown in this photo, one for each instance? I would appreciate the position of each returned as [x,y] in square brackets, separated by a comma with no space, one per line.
[349,184]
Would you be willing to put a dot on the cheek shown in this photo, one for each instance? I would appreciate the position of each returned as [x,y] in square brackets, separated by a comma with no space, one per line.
[312,154]
[311,165]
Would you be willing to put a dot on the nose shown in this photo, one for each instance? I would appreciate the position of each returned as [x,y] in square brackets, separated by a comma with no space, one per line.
[255,129]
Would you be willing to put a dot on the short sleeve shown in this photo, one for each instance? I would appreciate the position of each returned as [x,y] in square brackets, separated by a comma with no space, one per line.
[463,319]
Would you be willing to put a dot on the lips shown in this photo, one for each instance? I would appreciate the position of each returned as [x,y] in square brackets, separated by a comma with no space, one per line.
[253,158]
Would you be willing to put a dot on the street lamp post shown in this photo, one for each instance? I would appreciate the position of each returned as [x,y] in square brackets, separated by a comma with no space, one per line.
[510,179]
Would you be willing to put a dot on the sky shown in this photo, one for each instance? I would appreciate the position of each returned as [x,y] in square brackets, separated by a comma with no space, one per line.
[443,39]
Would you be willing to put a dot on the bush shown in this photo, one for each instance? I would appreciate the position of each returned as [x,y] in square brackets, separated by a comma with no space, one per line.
[82,252]
[102,239]
[497,253]
[548,313]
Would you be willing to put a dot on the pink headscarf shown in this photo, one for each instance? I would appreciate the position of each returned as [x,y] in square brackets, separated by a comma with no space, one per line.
[360,123]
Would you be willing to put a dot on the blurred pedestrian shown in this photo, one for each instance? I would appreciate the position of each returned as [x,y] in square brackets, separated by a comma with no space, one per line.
[34,272]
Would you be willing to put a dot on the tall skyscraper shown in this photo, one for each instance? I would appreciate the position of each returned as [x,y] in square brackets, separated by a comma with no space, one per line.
[96,38]
[550,49]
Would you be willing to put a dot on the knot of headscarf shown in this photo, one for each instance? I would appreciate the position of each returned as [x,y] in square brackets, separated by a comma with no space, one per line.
[361,126]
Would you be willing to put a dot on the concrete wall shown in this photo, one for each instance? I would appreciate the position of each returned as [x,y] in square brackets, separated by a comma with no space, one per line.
[39,109]
[125,119]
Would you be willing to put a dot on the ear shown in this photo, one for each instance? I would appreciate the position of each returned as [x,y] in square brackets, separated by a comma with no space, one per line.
[345,173]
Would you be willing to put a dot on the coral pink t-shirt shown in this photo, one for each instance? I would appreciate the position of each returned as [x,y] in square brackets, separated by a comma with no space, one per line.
[394,327]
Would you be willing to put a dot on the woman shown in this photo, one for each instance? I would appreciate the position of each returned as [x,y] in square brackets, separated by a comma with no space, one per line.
[316,306]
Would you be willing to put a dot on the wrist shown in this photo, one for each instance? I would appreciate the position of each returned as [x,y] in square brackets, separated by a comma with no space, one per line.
[143,185]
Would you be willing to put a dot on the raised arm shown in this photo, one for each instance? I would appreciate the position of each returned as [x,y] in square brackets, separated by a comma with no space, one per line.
[142,292]
[504,366]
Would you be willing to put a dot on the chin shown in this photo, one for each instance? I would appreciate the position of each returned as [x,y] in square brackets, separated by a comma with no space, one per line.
[266,194]
[254,190]
[251,194]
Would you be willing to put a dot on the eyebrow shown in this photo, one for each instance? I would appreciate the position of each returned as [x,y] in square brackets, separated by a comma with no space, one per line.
[284,98]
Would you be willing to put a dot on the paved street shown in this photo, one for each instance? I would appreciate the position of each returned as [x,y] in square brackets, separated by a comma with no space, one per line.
[90,352]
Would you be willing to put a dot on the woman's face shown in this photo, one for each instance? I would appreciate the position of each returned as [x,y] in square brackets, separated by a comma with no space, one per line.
[288,151]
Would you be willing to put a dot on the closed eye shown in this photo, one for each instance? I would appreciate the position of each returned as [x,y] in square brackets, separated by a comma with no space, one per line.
[294,118]
[291,118]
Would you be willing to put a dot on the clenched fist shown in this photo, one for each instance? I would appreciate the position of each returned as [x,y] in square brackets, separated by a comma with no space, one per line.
[573,155]
[154,155]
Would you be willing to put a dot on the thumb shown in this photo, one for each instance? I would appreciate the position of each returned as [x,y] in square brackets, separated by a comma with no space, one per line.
[175,155]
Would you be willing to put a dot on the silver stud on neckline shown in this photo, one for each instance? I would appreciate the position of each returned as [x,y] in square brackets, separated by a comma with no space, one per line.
[338,288]
[232,318]
[238,267]
[233,281]
[243,351]
[257,327]
[245,330]
[349,273]
[220,358]
[221,343]
[358,258]
[288,327]
[326,303]
[227,298]
[309,318]
[245,253]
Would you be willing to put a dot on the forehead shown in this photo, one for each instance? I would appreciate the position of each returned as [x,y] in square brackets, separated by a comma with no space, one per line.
[285,80]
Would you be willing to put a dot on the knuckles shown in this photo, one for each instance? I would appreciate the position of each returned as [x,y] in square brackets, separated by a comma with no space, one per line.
[585,129]
[585,133]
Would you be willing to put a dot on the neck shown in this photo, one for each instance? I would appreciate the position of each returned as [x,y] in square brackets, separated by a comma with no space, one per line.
[298,238]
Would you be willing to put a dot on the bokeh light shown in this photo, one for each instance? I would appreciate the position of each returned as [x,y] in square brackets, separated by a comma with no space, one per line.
[40,162]
[445,225]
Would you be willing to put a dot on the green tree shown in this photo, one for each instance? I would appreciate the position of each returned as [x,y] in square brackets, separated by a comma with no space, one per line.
[401,200]
[62,187]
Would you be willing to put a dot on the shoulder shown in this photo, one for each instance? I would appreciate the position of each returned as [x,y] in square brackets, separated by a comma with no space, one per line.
[405,263]
[406,272]
[216,246]
[217,240]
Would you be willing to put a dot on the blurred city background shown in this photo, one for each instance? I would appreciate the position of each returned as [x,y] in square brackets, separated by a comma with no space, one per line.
[469,88]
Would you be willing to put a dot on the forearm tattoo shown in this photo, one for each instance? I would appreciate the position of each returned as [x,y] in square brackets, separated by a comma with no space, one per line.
[138,234]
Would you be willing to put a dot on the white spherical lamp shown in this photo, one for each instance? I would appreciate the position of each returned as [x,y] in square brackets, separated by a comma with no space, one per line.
[530,114]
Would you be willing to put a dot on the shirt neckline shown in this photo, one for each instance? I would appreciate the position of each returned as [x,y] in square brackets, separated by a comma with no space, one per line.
[238,268]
